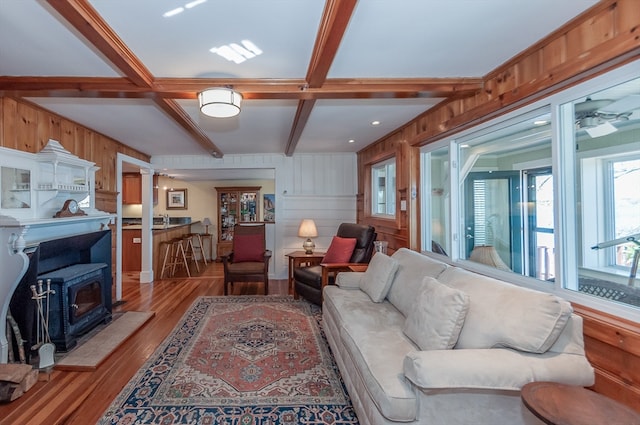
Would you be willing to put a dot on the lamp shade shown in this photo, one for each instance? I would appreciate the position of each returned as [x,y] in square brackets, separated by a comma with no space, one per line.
[220,102]
[206,223]
[307,229]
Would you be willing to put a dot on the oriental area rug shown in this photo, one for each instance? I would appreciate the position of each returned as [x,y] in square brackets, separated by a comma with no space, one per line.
[239,360]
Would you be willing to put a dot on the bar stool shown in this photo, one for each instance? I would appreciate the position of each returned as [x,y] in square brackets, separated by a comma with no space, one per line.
[167,258]
[189,250]
[198,248]
[174,256]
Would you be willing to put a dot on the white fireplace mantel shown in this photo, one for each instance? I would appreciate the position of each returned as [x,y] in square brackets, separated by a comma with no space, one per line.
[33,188]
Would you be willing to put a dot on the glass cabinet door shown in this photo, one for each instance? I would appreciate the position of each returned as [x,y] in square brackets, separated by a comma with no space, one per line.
[228,214]
[16,188]
[236,205]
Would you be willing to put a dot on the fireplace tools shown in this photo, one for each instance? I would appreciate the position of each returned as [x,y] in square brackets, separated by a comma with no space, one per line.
[46,349]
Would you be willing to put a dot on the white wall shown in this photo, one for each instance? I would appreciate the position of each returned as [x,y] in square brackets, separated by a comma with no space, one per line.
[317,186]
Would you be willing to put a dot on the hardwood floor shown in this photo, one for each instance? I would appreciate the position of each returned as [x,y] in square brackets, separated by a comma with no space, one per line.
[80,398]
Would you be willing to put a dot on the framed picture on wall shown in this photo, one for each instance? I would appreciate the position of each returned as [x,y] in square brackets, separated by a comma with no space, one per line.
[177,199]
[269,207]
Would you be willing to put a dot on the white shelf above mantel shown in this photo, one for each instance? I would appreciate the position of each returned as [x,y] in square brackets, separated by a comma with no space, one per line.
[10,221]
[33,231]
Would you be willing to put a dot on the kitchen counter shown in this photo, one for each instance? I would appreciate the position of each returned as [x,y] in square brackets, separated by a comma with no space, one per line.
[156,226]
[131,244]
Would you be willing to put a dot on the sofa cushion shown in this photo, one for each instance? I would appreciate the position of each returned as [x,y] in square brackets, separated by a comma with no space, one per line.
[378,277]
[412,268]
[340,250]
[505,315]
[378,353]
[371,334]
[437,316]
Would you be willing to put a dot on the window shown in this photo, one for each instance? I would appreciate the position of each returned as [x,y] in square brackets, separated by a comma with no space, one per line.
[383,190]
[546,198]
[606,165]
[506,198]
[436,225]
[624,179]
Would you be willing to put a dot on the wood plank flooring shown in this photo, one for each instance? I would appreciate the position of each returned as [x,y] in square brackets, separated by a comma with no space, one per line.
[80,398]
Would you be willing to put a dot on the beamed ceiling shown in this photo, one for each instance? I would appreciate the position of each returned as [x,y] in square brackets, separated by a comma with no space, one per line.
[327,68]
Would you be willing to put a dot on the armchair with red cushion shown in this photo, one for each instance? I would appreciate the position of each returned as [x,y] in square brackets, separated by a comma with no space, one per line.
[353,244]
[249,260]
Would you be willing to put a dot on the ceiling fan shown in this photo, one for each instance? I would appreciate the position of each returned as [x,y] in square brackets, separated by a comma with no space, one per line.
[596,116]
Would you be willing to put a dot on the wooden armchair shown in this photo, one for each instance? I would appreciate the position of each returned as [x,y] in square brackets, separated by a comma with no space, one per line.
[249,260]
[309,281]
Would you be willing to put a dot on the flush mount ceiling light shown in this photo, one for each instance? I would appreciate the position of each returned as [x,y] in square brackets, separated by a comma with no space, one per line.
[220,102]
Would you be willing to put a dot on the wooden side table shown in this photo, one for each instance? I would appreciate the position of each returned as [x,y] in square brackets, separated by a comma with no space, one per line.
[560,404]
[299,258]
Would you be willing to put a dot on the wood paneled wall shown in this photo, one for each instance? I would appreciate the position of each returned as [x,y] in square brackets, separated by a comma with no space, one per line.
[27,127]
[597,41]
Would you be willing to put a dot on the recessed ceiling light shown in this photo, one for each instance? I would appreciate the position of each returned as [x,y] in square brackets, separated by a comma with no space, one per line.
[375,122]
[351,141]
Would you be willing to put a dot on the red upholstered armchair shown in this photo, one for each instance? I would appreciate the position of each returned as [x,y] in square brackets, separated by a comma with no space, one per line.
[309,281]
[249,260]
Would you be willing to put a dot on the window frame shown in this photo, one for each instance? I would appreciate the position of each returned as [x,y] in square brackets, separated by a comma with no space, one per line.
[389,195]
[563,163]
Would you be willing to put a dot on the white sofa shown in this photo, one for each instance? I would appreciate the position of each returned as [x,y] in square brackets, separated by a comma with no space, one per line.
[474,342]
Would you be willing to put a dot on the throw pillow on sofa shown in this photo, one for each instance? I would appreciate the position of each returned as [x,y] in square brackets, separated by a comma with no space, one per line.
[437,316]
[502,314]
[340,250]
[376,280]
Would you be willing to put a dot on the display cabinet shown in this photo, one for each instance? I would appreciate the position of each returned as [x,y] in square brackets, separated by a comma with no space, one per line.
[235,205]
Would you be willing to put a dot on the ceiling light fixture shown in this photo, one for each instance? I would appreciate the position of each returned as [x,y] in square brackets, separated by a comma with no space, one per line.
[220,102]
[375,122]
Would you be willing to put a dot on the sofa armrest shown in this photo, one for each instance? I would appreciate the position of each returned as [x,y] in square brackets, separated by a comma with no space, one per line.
[496,368]
[333,269]
[350,280]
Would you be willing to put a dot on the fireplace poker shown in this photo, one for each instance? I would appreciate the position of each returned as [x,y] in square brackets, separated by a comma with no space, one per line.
[46,349]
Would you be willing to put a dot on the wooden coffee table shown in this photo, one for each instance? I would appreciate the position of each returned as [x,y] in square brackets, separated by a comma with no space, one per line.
[559,404]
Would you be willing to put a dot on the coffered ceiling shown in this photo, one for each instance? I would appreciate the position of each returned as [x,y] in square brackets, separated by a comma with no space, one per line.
[326,71]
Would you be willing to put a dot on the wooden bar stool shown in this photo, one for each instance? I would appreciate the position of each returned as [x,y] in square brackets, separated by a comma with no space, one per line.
[167,258]
[189,250]
[174,257]
[198,248]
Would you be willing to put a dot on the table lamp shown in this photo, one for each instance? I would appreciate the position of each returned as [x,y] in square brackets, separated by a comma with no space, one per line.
[308,230]
[206,223]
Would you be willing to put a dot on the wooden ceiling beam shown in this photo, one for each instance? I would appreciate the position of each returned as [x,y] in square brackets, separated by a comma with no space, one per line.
[184,120]
[179,88]
[86,20]
[299,122]
[335,18]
